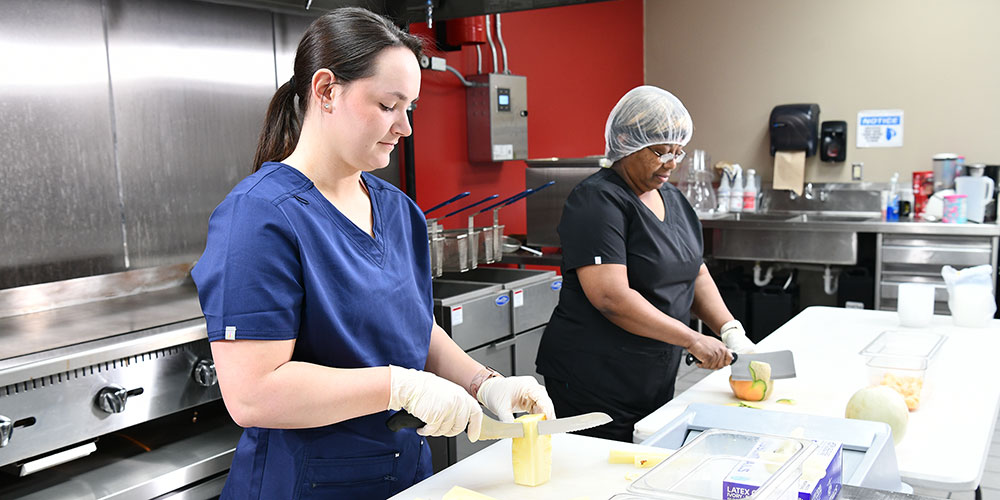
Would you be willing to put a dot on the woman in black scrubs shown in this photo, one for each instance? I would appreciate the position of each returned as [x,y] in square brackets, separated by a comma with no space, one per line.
[632,275]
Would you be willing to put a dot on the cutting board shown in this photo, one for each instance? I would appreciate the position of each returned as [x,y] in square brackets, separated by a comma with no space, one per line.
[580,469]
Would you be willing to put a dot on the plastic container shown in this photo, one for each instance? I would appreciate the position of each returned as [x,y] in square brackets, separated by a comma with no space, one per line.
[892,203]
[955,207]
[699,468]
[905,375]
[750,192]
[915,304]
[979,190]
[736,191]
[722,196]
[944,171]
[904,344]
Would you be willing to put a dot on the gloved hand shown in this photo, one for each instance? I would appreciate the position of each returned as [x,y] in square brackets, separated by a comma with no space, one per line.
[445,408]
[735,337]
[506,395]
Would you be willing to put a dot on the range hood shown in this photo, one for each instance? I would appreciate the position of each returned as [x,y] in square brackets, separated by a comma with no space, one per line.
[405,11]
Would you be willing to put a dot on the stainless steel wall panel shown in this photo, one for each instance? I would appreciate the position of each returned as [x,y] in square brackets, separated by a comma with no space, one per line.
[288,30]
[61,216]
[191,82]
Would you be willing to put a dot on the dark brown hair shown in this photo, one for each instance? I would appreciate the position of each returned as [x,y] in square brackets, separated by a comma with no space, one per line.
[346,41]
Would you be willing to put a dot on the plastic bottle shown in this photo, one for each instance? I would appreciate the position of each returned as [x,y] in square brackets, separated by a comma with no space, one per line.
[723,194]
[736,190]
[892,204]
[750,192]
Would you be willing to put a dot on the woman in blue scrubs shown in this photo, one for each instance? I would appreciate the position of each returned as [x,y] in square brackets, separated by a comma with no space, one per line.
[316,287]
[632,275]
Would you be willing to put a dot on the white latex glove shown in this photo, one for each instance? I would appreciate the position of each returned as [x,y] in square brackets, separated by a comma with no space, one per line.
[506,395]
[735,338]
[445,408]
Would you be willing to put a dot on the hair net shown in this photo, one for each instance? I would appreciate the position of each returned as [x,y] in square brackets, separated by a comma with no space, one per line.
[645,116]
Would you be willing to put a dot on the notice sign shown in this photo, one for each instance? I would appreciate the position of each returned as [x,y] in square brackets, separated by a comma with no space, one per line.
[880,128]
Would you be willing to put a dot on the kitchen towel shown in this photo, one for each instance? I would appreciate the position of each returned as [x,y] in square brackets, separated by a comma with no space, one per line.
[789,170]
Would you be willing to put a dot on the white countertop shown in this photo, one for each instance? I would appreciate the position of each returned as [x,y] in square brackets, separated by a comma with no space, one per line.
[580,468]
[947,439]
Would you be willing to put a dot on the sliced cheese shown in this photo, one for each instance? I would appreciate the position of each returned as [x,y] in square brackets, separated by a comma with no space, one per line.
[639,458]
[460,493]
[531,455]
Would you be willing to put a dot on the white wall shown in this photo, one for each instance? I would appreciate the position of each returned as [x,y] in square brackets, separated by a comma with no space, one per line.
[731,61]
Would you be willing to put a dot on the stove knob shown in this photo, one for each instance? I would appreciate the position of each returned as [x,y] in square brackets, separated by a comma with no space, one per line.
[6,430]
[204,373]
[111,399]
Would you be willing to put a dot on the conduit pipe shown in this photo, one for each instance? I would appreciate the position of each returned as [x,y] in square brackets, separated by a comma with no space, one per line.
[493,49]
[503,48]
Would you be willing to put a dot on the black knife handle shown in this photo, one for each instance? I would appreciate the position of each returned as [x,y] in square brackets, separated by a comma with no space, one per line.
[403,420]
[690,359]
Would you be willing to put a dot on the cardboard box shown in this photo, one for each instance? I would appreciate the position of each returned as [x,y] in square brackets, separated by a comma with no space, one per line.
[821,473]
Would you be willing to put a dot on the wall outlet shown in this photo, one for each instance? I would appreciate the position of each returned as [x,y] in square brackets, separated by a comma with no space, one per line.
[856,171]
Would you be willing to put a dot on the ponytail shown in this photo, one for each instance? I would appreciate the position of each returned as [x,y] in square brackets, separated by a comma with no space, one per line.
[281,127]
[346,41]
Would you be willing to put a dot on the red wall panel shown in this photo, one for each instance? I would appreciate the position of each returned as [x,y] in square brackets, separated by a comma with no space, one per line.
[578,60]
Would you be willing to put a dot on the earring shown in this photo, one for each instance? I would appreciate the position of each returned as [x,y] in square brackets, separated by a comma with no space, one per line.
[327,106]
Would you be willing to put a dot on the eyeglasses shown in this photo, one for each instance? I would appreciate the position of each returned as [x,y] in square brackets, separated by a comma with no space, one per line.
[668,157]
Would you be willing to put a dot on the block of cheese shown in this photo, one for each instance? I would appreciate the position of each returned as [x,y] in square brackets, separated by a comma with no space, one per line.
[460,493]
[531,455]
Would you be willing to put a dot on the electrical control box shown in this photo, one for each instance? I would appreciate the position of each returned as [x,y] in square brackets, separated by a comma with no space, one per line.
[497,109]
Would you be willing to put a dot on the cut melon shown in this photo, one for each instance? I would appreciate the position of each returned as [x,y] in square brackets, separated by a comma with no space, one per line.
[531,455]
[460,493]
[760,385]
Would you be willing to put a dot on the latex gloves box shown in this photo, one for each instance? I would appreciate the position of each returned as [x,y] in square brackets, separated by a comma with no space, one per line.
[820,479]
[700,468]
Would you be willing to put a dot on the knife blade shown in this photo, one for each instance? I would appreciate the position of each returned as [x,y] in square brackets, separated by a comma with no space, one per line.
[493,429]
[782,364]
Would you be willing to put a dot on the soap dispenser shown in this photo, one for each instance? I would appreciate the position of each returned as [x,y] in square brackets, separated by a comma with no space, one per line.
[833,141]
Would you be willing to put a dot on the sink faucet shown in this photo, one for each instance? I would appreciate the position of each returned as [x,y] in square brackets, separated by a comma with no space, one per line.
[809,191]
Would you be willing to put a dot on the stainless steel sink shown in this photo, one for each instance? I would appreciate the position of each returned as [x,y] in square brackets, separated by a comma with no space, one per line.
[832,218]
[749,217]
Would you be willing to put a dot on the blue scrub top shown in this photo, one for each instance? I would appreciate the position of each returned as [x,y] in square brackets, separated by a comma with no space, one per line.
[281,262]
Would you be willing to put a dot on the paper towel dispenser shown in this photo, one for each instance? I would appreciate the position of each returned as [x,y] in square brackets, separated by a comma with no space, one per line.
[794,127]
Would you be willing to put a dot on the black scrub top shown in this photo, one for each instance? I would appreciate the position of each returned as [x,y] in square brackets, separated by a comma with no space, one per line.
[605,222]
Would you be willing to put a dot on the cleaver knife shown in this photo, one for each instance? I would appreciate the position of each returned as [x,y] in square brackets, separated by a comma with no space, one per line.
[493,429]
[782,364]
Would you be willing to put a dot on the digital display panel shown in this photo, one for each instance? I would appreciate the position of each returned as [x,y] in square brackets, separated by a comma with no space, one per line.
[503,99]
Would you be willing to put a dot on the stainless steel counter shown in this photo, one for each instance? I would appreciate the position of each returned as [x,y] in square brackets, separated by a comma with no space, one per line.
[848,492]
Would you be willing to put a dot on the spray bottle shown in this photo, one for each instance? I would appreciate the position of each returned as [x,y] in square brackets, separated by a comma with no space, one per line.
[750,192]
[722,194]
[736,190]
[892,207]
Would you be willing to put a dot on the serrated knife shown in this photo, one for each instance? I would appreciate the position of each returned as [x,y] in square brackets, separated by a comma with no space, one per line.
[492,429]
